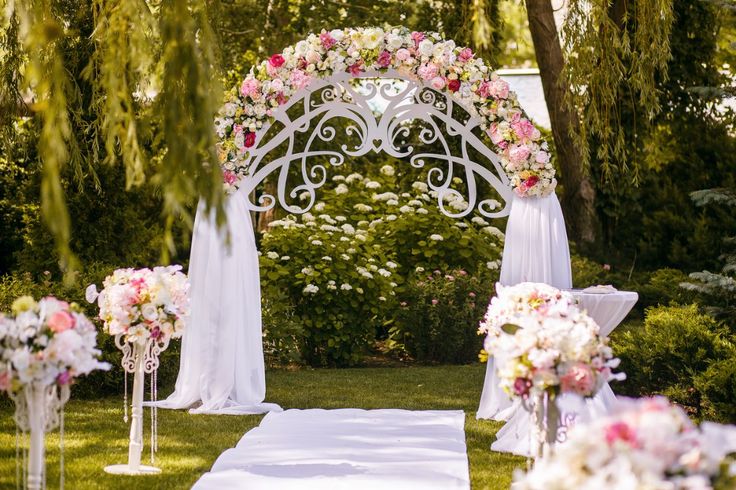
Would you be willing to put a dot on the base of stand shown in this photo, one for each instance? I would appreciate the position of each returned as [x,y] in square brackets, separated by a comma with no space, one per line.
[124,469]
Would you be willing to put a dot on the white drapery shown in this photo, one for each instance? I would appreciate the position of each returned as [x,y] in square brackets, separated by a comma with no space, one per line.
[221,369]
[535,250]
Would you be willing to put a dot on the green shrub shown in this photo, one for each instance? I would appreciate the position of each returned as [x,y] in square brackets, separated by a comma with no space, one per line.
[282,330]
[664,288]
[670,352]
[439,315]
[718,386]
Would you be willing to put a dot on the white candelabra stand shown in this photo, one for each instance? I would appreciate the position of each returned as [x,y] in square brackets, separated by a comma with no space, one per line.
[37,410]
[138,359]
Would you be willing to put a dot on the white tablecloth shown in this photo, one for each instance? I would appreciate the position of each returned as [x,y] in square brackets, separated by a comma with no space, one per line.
[608,310]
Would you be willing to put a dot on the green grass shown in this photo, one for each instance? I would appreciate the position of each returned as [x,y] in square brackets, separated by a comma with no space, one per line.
[188,444]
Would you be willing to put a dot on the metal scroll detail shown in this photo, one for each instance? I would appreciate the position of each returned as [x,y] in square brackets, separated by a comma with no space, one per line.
[445,124]
[151,353]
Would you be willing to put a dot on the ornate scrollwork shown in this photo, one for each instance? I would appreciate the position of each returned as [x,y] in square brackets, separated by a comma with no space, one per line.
[150,352]
[54,398]
[327,100]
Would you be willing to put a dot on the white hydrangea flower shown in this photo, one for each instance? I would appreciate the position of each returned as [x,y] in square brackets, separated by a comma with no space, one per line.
[363,208]
[479,221]
[406,209]
[285,257]
[436,237]
[422,211]
[493,265]
[384,272]
[392,202]
[272,255]
[327,258]
[341,189]
[388,170]
[346,287]
[420,186]
[307,271]
[372,184]
[391,265]
[391,217]
[316,243]
[353,177]
[310,289]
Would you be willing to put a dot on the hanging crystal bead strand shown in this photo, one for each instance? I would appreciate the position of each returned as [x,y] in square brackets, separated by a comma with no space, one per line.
[61,449]
[125,396]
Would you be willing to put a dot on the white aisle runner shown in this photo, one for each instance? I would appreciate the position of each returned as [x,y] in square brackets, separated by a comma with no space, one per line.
[347,449]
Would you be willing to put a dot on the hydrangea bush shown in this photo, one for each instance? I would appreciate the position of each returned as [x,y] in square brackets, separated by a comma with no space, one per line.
[346,263]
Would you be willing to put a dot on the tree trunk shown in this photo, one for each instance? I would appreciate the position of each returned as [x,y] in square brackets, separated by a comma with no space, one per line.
[578,197]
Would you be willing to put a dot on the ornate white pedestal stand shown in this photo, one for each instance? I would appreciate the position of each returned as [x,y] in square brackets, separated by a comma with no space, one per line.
[546,418]
[37,409]
[138,359]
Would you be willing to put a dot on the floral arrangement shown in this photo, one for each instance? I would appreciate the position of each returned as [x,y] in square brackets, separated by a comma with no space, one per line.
[143,303]
[47,341]
[644,444]
[542,342]
[421,56]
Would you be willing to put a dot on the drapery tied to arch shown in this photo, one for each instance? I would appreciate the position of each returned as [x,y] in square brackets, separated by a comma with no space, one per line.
[425,57]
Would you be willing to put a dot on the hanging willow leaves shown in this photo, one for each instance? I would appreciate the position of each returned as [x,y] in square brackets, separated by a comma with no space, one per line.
[614,50]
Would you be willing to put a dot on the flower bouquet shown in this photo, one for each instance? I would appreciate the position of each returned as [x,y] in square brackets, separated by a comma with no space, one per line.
[44,346]
[144,309]
[543,346]
[645,443]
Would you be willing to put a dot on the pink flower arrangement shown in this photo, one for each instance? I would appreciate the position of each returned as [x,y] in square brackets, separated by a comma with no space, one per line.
[422,56]
[47,341]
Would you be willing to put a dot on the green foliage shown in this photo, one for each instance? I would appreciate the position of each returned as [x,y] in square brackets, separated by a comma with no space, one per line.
[673,353]
[343,266]
[718,386]
[439,315]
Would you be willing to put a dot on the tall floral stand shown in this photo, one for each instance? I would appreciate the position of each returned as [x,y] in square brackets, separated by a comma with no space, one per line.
[138,359]
[38,409]
[546,419]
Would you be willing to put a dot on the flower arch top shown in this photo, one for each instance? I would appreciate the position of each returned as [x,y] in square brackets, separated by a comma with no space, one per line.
[424,57]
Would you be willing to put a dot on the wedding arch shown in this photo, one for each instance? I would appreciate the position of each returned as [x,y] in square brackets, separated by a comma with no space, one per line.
[280,123]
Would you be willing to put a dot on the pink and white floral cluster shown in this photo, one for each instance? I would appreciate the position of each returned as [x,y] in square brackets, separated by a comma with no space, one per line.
[144,304]
[423,56]
[47,341]
[542,342]
[644,444]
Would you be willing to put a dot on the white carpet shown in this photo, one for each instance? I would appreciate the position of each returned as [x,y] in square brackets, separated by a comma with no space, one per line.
[347,449]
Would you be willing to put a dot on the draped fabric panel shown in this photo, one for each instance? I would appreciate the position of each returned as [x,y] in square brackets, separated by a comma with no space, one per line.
[221,368]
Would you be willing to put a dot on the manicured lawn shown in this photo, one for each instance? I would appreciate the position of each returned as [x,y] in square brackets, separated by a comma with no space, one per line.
[189,444]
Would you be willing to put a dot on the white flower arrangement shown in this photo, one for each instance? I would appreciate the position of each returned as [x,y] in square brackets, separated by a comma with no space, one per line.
[143,303]
[645,444]
[542,342]
[49,341]
[423,56]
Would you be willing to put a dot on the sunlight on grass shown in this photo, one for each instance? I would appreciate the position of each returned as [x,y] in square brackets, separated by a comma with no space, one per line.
[96,435]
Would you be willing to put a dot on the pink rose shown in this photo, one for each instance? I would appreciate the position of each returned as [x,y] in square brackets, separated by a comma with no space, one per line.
[530,182]
[60,321]
[499,89]
[495,134]
[356,68]
[465,55]
[276,85]
[578,379]
[384,59]
[327,40]
[484,90]
[5,381]
[437,83]
[281,98]
[434,302]
[251,88]
[229,177]
[403,54]
[453,85]
[620,431]
[276,61]
[542,157]
[522,386]
[250,139]
[299,79]
[519,153]
[417,37]
[428,71]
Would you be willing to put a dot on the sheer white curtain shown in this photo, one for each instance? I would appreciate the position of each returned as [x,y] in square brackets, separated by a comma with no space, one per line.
[221,368]
[535,250]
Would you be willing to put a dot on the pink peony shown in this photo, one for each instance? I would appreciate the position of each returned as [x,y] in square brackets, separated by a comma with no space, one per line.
[403,54]
[453,85]
[327,40]
[437,83]
[484,90]
[251,88]
[61,321]
[299,79]
[499,89]
[277,85]
[276,61]
[428,71]
[465,55]
[519,153]
[356,68]
[578,379]
[250,139]
[495,134]
[542,157]
[524,129]
[384,59]
[229,177]
[621,431]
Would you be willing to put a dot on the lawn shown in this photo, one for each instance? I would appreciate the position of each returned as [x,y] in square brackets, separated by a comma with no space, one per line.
[188,444]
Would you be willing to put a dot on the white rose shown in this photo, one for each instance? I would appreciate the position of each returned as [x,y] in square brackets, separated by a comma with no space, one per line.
[394,41]
[426,47]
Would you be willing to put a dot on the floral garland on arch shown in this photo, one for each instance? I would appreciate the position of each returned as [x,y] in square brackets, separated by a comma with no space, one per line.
[424,56]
